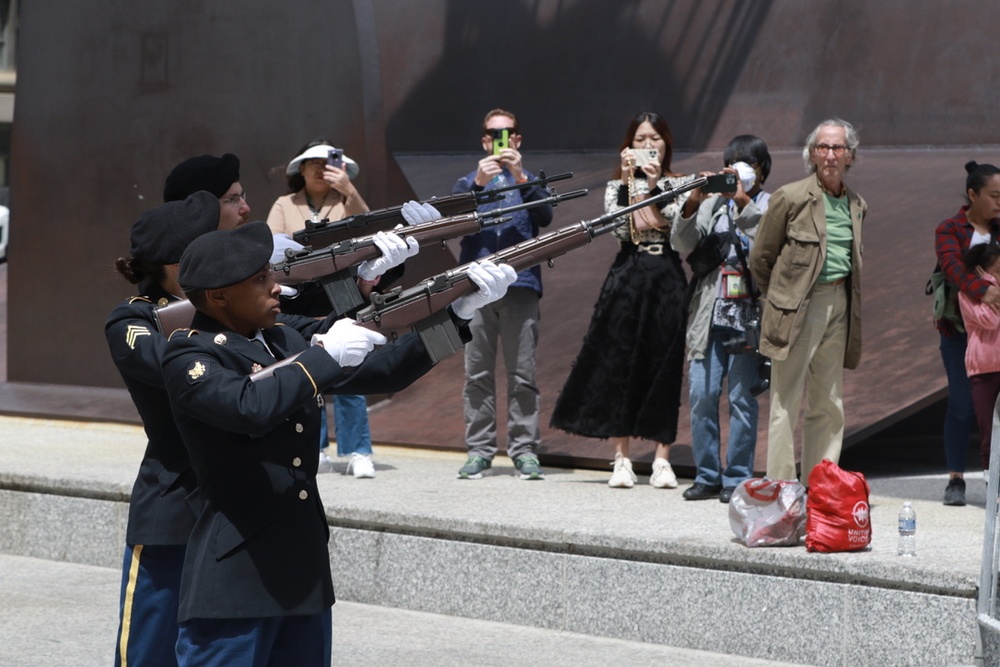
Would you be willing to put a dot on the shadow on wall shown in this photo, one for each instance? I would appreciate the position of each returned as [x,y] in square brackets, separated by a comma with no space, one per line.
[575,76]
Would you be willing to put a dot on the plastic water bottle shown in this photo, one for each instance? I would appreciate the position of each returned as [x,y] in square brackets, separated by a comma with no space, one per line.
[907,530]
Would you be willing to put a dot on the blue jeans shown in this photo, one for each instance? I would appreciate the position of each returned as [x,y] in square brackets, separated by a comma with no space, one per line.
[960,415]
[350,415]
[705,384]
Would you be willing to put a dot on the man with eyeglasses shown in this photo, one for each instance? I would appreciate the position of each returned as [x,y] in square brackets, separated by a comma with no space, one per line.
[218,175]
[513,320]
[806,261]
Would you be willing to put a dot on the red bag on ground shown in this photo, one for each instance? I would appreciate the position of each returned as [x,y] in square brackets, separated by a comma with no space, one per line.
[768,512]
[837,513]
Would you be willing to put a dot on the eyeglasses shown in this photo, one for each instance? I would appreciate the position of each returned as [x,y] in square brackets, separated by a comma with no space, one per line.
[235,199]
[823,149]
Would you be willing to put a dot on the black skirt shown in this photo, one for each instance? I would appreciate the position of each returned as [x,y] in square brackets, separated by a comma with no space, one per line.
[626,381]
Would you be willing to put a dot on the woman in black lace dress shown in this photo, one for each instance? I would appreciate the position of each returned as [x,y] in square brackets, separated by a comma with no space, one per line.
[626,381]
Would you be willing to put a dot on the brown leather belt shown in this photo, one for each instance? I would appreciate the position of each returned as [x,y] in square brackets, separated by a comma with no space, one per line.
[838,281]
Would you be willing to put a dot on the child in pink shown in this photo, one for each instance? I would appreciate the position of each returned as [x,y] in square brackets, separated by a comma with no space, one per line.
[982,356]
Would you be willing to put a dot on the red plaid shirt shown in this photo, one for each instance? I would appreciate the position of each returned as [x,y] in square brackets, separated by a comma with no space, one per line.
[951,240]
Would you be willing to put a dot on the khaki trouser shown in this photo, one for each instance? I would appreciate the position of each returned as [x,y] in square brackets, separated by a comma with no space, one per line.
[816,356]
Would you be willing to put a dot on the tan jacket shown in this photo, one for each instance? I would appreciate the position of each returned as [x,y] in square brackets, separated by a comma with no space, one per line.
[290,212]
[786,259]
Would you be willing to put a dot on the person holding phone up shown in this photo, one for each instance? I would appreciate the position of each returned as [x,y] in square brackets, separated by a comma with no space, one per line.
[320,188]
[626,380]
[511,322]
[723,308]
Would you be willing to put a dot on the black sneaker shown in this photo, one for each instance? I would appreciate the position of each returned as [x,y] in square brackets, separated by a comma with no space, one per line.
[699,491]
[954,493]
[528,466]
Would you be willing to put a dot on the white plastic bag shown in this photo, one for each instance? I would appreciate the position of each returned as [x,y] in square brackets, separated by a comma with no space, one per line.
[768,512]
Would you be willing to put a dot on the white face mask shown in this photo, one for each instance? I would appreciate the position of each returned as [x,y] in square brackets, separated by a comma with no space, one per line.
[747,175]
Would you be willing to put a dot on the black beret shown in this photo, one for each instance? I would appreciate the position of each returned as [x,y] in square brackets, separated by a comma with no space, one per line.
[226,257]
[205,172]
[160,235]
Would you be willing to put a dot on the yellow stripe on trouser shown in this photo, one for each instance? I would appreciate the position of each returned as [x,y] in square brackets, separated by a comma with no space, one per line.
[133,576]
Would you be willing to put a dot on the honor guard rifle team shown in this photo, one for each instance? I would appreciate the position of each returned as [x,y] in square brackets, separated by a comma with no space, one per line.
[227,559]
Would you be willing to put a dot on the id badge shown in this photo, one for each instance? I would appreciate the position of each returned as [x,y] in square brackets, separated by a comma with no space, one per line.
[733,285]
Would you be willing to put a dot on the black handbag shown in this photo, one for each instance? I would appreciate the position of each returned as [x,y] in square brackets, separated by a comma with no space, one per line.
[710,253]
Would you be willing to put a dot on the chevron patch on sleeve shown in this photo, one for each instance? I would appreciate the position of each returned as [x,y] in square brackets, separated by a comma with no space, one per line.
[133,333]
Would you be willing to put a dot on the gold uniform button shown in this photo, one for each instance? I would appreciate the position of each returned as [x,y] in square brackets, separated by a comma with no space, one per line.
[299,428]
[296,462]
[303,494]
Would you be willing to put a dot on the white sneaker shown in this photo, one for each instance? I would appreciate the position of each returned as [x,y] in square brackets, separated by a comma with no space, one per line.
[361,465]
[663,476]
[622,477]
[325,463]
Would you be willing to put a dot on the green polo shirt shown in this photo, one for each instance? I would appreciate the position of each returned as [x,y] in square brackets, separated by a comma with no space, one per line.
[839,236]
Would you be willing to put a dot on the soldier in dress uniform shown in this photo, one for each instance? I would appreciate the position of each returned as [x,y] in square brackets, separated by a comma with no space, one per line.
[256,585]
[160,517]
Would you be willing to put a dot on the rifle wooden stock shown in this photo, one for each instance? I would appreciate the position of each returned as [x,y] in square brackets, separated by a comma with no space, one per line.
[325,233]
[173,316]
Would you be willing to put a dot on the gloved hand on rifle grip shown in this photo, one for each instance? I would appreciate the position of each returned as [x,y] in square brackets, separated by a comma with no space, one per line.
[492,281]
[394,252]
[347,343]
[417,213]
[283,242]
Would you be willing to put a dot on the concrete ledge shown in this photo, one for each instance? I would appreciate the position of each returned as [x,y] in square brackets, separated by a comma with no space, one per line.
[771,617]
[565,588]
[565,554]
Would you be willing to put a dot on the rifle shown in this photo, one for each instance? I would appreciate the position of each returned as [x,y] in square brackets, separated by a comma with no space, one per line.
[331,266]
[401,310]
[324,233]
[423,307]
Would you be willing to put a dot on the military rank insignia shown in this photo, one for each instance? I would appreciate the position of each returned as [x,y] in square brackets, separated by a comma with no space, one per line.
[220,339]
[133,333]
[196,371]
[255,368]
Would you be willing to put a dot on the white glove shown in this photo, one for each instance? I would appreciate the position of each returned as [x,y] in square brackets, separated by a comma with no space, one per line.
[492,281]
[394,252]
[288,291]
[347,343]
[283,242]
[416,213]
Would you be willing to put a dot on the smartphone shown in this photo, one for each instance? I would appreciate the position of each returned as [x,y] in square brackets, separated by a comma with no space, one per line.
[501,140]
[644,156]
[720,183]
[335,158]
